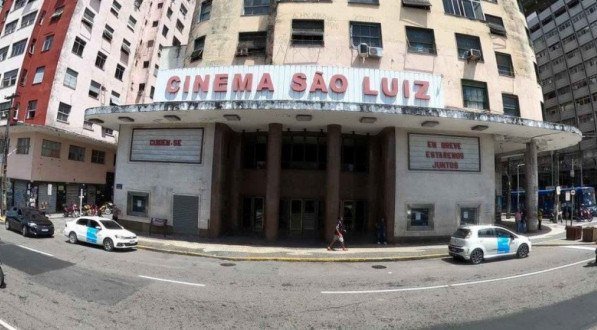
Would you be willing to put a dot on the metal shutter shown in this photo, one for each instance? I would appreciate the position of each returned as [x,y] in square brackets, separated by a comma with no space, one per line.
[72,194]
[20,193]
[42,196]
[185,214]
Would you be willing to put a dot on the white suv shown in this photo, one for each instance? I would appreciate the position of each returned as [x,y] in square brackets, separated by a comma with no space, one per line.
[478,242]
[100,231]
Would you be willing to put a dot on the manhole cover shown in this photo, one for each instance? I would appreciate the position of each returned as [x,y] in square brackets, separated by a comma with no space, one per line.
[227,264]
[379,267]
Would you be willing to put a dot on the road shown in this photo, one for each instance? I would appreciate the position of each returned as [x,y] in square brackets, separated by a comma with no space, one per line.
[53,284]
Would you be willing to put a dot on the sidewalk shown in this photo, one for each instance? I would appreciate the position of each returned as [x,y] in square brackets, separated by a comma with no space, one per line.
[551,235]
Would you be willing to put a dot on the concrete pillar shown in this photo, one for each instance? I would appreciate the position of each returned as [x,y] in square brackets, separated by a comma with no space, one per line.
[236,176]
[531,185]
[498,189]
[272,186]
[509,191]
[372,183]
[217,176]
[389,183]
[332,184]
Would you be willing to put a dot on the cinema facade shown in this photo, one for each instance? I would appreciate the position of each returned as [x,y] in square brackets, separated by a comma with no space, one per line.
[283,151]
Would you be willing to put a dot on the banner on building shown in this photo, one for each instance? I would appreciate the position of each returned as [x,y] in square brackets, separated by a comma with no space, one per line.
[443,153]
[172,145]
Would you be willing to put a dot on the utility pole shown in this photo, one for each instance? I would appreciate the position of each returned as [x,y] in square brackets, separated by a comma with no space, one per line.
[5,153]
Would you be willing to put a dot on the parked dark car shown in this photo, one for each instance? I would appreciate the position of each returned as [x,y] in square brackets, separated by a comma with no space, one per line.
[28,221]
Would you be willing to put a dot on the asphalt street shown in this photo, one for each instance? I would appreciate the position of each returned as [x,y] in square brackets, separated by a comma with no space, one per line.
[54,284]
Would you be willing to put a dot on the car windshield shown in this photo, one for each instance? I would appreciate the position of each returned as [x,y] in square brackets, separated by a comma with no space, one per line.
[109,224]
[461,233]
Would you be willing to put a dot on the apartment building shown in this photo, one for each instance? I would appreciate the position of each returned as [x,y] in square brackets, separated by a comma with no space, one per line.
[564,35]
[75,55]
[279,117]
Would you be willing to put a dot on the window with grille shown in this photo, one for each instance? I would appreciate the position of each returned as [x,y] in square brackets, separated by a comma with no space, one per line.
[368,33]
[39,75]
[94,89]
[496,25]
[88,125]
[108,33]
[3,53]
[76,153]
[28,19]
[79,46]
[31,108]
[179,25]
[50,149]
[465,43]
[504,64]
[100,60]
[251,43]
[119,74]
[420,40]
[70,78]
[198,45]
[10,27]
[205,12]
[256,7]
[307,32]
[465,8]
[18,48]
[88,18]
[115,9]
[63,112]
[4,110]
[47,43]
[132,23]
[474,94]
[98,157]
[19,4]
[23,146]
[10,78]
[126,47]
[511,106]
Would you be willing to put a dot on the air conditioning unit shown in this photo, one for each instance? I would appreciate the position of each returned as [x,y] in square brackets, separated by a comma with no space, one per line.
[363,50]
[473,55]
[242,52]
[375,52]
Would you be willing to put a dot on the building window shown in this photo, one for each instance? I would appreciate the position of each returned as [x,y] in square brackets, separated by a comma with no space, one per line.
[419,216]
[304,151]
[4,109]
[465,43]
[151,92]
[98,157]
[183,10]
[511,106]
[100,60]
[23,146]
[31,108]
[156,69]
[474,94]
[155,23]
[137,204]
[119,74]
[253,211]
[47,43]
[10,78]
[94,89]
[355,153]
[256,7]
[28,19]
[198,46]
[18,48]
[10,27]
[165,31]
[57,14]
[365,2]
[126,47]
[496,25]
[76,153]
[19,4]
[70,78]
[132,23]
[504,64]
[39,75]
[114,98]
[254,148]
[3,53]
[420,40]
[307,32]
[251,43]
[88,18]
[367,33]
[88,125]
[179,25]
[108,33]
[79,46]
[465,8]
[107,131]
[63,112]
[115,9]
[50,149]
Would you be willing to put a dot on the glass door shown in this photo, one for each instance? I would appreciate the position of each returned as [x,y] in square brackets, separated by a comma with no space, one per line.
[296,216]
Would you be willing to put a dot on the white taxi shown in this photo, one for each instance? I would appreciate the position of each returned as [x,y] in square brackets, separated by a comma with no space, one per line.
[479,242]
[100,231]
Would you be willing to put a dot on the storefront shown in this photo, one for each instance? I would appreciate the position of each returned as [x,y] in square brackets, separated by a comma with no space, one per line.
[283,151]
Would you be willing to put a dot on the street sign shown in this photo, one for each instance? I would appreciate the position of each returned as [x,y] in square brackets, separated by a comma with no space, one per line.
[572,192]
[558,190]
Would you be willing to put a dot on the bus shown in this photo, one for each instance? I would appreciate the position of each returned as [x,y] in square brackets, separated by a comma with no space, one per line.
[585,207]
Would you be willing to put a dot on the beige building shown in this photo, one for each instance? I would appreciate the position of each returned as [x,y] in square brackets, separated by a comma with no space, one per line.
[285,118]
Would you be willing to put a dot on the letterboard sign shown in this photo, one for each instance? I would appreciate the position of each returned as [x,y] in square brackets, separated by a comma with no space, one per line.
[443,153]
[172,145]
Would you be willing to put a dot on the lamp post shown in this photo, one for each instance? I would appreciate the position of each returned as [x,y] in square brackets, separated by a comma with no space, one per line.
[11,97]
[518,186]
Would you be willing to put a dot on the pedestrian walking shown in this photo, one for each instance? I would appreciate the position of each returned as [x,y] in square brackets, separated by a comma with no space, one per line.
[339,232]
[380,227]
[517,220]
[539,218]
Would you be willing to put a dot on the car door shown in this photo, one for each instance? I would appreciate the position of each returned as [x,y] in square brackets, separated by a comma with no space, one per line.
[505,243]
[80,228]
[488,240]
[93,227]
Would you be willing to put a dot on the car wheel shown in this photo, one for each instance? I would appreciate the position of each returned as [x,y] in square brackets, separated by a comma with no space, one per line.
[523,251]
[108,244]
[25,231]
[7,224]
[476,256]
[72,238]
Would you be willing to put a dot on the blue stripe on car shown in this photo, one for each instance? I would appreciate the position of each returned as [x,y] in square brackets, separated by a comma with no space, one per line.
[92,235]
[503,245]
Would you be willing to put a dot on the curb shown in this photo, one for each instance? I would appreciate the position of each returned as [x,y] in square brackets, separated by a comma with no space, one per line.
[290,259]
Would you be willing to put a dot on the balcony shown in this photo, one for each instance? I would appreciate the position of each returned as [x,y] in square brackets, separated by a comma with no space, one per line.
[577,9]
[583,39]
[545,74]
[584,109]
[591,70]
[565,97]
[592,17]
[572,45]
[566,32]
[574,61]
[552,118]
[548,88]
[588,144]
[592,52]
[587,127]
[583,91]
[556,53]
[536,34]
[551,102]
[567,114]
[562,82]
[577,76]
[558,67]
[542,60]
[552,40]
[539,46]
[562,18]
[580,24]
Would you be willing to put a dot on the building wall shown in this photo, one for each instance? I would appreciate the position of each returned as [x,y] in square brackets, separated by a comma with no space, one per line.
[226,21]
[445,190]
[167,179]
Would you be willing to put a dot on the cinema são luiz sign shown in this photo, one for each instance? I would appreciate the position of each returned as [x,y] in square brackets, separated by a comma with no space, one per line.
[299,83]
